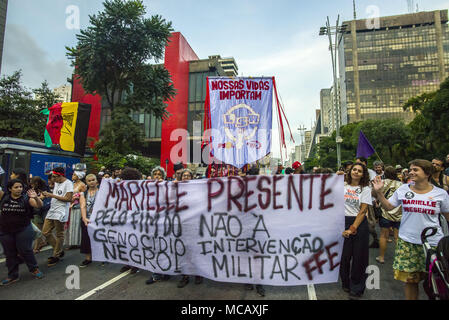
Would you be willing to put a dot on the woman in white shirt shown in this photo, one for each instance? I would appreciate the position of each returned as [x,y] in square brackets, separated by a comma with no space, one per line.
[355,254]
[422,203]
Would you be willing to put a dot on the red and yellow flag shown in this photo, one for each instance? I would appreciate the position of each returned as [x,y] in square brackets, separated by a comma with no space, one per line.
[68,124]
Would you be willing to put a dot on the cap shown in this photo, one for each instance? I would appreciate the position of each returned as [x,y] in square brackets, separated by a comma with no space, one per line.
[296,165]
[398,166]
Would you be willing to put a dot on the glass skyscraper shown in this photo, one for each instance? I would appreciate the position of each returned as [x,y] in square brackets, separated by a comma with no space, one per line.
[384,65]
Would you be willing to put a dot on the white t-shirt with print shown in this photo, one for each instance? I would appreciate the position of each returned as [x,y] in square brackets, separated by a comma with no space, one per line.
[59,210]
[354,197]
[420,211]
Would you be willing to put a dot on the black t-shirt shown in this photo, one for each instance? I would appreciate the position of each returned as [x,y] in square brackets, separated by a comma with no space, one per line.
[15,214]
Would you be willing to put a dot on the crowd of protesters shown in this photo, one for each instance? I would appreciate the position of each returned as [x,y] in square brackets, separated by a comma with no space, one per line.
[61,209]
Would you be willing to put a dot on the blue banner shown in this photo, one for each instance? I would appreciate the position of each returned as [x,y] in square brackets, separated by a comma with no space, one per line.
[241,117]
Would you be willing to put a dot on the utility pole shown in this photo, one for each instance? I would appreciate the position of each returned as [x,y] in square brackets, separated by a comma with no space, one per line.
[338,31]
[355,12]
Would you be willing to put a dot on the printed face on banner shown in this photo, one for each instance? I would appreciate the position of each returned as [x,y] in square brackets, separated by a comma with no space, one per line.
[241,115]
[274,230]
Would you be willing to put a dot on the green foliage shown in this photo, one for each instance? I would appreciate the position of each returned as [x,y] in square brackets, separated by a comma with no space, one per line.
[383,135]
[112,57]
[45,97]
[425,137]
[143,164]
[417,103]
[120,136]
[19,112]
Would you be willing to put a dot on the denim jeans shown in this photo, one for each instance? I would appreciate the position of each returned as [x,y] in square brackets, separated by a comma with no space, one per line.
[15,244]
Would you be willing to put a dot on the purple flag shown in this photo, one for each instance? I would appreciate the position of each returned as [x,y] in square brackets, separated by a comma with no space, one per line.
[364,149]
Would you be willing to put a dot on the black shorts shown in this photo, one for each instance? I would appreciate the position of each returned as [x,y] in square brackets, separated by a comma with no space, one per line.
[385,223]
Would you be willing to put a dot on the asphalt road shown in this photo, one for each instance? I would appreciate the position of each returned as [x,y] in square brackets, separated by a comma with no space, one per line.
[133,287]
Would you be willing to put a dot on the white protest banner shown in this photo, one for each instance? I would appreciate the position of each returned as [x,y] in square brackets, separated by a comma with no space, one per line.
[273,230]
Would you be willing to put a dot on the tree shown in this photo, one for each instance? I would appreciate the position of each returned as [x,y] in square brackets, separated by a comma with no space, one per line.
[384,135]
[112,59]
[429,133]
[112,55]
[19,112]
[45,97]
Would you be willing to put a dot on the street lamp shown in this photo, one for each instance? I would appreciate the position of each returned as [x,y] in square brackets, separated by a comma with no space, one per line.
[337,30]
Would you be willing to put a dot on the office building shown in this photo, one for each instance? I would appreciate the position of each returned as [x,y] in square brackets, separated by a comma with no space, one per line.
[64,93]
[327,115]
[188,74]
[383,66]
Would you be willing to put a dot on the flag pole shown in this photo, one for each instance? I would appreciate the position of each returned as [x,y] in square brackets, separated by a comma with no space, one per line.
[378,156]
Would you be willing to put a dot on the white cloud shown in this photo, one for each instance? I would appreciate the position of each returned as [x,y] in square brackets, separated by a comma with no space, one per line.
[302,68]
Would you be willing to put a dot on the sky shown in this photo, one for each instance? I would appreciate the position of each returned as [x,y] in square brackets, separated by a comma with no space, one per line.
[266,38]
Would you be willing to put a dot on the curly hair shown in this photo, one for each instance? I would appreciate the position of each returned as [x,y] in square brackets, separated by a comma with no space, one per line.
[364,181]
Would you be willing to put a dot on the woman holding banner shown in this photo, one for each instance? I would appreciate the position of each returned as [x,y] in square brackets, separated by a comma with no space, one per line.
[87,201]
[186,175]
[73,239]
[157,174]
[355,254]
[128,174]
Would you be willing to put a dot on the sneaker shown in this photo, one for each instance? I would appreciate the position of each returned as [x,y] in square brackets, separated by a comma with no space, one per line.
[152,280]
[103,264]
[61,255]
[134,270]
[183,282]
[85,263]
[37,274]
[124,269]
[249,287]
[8,281]
[381,261]
[260,290]
[198,280]
[157,277]
[355,296]
[52,261]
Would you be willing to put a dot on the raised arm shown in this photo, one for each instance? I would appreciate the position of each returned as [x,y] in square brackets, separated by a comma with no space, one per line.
[34,201]
[378,185]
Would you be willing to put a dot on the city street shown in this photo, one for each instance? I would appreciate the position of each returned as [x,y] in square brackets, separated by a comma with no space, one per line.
[99,283]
